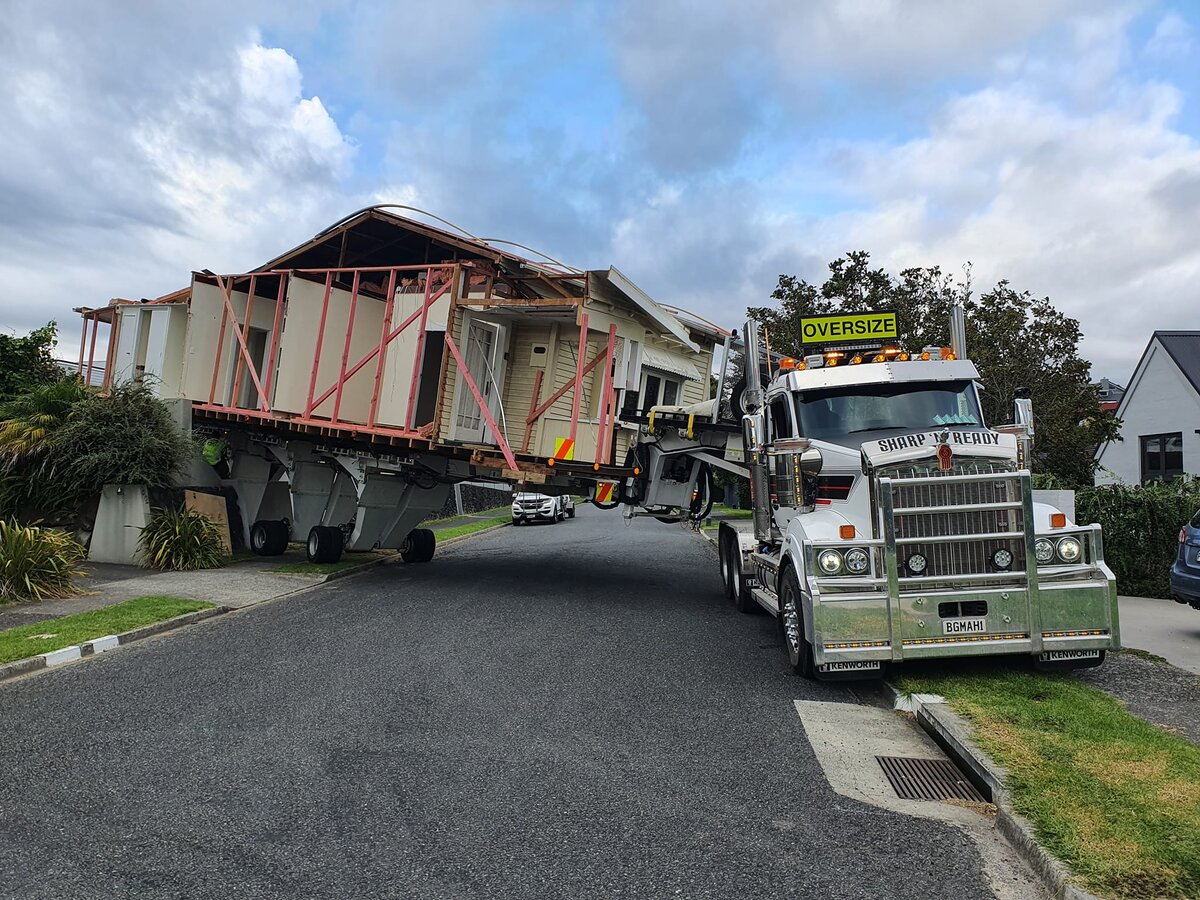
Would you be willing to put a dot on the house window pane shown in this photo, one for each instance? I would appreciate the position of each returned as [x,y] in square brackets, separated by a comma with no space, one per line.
[1173,456]
[650,394]
[670,395]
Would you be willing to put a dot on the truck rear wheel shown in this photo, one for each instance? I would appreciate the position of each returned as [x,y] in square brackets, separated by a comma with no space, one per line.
[791,623]
[736,588]
[419,546]
[325,544]
[269,537]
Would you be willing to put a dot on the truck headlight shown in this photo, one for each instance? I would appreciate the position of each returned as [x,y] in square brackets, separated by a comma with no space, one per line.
[1070,550]
[1043,549]
[916,564]
[829,561]
[1002,559]
[856,560]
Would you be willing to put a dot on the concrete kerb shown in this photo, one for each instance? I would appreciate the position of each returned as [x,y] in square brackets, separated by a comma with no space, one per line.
[103,644]
[952,734]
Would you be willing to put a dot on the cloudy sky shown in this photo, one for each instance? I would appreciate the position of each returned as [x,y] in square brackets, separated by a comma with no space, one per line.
[703,147]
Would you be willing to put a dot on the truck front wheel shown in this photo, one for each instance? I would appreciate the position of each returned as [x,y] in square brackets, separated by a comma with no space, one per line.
[791,623]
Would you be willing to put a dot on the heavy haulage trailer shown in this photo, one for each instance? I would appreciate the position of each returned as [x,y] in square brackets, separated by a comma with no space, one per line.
[345,386]
[889,522]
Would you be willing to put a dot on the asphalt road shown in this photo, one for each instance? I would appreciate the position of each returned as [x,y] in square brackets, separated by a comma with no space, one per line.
[556,711]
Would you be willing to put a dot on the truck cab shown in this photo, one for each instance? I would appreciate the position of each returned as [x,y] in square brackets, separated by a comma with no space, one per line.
[892,523]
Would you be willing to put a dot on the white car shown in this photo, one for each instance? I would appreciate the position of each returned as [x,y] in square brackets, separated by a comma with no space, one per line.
[527,507]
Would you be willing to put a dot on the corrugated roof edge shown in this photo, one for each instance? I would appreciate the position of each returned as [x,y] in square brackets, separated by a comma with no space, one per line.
[643,301]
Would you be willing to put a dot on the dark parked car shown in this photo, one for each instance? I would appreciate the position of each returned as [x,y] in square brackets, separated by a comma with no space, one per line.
[1185,574]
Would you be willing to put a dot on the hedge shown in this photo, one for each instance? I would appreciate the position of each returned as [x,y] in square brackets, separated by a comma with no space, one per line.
[1141,529]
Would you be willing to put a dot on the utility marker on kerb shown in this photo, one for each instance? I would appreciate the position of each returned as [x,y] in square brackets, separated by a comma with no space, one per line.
[65,655]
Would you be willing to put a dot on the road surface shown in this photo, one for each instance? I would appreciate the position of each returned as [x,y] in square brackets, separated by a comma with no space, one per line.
[556,711]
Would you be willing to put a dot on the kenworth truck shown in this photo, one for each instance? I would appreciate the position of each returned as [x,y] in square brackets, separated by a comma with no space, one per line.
[890,523]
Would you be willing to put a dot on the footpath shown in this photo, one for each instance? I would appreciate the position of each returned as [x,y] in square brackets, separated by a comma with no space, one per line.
[244,582]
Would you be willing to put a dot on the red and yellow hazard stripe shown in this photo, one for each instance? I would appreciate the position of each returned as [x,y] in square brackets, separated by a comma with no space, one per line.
[604,492]
[564,448]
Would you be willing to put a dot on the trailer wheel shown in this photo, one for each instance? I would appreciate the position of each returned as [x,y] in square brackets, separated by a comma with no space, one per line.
[791,623]
[325,544]
[269,537]
[419,546]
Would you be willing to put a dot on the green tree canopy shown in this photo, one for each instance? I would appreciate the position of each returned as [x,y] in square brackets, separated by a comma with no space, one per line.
[1015,339]
[27,362]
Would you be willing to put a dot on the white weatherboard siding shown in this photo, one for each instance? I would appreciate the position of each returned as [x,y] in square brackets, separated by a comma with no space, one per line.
[1160,400]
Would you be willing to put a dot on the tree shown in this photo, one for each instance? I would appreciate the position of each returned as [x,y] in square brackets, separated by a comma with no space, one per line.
[26,362]
[1015,339]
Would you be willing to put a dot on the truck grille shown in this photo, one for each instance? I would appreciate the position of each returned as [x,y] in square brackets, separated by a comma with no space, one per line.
[957,507]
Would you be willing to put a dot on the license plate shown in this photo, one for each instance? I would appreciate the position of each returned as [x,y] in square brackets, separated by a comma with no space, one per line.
[1061,655]
[860,665]
[965,626]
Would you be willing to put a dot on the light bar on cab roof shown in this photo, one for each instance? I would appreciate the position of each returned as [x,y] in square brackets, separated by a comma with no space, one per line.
[832,358]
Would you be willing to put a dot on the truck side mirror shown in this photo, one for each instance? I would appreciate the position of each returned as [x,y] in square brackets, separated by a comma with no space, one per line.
[754,431]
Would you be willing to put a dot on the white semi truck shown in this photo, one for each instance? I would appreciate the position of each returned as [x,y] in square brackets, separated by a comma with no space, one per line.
[890,523]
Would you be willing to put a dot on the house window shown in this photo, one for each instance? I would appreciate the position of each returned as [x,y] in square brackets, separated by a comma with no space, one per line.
[1162,456]
[657,390]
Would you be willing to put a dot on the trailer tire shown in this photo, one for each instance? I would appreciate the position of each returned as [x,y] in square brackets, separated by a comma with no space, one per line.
[269,537]
[419,546]
[791,623]
[325,544]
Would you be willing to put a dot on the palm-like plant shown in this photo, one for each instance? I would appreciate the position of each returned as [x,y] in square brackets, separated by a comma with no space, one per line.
[180,540]
[37,563]
[30,422]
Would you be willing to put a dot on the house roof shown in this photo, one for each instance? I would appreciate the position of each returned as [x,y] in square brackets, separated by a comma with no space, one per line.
[1184,349]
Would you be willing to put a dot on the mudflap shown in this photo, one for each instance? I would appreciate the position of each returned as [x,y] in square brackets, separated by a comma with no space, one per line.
[1067,660]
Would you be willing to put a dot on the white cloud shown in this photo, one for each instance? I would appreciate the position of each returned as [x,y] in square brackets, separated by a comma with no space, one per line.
[219,163]
[1172,37]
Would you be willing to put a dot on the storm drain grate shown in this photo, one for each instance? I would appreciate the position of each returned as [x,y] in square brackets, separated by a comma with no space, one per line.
[927,779]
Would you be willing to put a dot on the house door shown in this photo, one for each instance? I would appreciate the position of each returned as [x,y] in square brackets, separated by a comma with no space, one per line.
[480,355]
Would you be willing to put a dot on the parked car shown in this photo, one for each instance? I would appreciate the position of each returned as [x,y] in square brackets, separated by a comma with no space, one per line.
[1185,574]
[528,507]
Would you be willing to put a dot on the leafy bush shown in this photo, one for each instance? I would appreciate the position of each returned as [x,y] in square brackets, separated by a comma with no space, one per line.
[30,427]
[26,362]
[36,563]
[1141,529]
[125,437]
[180,540]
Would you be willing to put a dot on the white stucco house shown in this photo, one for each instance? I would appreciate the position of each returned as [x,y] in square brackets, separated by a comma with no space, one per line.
[1159,413]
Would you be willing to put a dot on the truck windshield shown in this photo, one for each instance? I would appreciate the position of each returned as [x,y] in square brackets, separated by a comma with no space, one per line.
[846,415]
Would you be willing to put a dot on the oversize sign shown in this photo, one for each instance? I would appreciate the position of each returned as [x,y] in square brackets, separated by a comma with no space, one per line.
[871,326]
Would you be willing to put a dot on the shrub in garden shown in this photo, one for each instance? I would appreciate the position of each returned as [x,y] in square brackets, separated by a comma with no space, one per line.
[31,485]
[36,563]
[1141,529]
[125,437]
[180,540]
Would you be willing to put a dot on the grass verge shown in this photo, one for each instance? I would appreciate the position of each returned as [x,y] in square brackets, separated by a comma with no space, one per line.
[54,634]
[726,512]
[445,534]
[1110,795]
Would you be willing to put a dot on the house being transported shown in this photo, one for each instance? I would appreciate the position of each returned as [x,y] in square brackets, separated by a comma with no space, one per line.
[386,348]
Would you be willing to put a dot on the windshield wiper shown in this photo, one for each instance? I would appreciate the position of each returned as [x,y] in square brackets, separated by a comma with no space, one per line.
[880,428]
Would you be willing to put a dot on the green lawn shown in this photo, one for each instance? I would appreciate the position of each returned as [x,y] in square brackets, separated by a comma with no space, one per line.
[54,634]
[445,534]
[722,511]
[1115,798]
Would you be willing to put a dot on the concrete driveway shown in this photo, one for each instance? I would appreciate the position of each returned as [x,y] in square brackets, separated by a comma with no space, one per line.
[1163,627]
